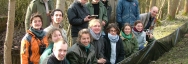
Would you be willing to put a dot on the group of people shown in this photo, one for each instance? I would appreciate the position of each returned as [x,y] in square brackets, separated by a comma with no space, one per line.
[94,39]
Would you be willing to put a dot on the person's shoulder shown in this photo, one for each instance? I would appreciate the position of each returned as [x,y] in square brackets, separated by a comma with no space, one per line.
[73,5]
[143,13]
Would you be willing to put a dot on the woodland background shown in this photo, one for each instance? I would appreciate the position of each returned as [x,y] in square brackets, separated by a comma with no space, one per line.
[12,15]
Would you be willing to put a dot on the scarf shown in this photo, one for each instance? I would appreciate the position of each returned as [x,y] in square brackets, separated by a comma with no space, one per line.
[87,47]
[113,38]
[38,33]
[94,35]
[129,36]
[137,30]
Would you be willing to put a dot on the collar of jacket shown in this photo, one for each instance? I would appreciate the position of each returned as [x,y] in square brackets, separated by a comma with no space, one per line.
[60,26]
[125,38]
[100,4]
[83,47]
[78,3]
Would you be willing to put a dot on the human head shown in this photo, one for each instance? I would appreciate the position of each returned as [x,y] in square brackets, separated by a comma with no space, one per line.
[84,37]
[113,29]
[36,21]
[57,16]
[95,25]
[127,29]
[54,34]
[154,11]
[138,25]
[60,49]
[83,1]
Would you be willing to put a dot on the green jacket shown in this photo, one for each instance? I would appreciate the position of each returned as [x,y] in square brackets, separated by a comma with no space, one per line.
[102,13]
[130,46]
[77,55]
[46,52]
[38,6]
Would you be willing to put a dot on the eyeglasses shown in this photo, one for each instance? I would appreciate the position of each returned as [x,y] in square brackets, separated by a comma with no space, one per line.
[113,31]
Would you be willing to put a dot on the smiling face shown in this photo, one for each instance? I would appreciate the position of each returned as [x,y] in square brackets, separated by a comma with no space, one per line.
[139,26]
[60,50]
[56,35]
[85,39]
[127,30]
[154,11]
[96,28]
[57,17]
[36,23]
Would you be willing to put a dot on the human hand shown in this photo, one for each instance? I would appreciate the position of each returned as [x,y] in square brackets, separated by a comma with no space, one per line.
[101,60]
[86,19]
[150,36]
[103,23]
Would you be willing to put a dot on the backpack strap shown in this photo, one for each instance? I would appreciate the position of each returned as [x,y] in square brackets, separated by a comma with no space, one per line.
[28,37]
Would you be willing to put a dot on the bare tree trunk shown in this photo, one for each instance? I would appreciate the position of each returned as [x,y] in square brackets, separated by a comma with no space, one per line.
[60,4]
[179,6]
[172,5]
[186,7]
[161,9]
[152,3]
[147,6]
[9,33]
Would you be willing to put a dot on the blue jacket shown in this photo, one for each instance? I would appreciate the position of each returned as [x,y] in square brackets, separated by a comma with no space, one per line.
[127,12]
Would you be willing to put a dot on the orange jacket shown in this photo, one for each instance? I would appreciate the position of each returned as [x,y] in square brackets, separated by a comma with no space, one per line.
[33,46]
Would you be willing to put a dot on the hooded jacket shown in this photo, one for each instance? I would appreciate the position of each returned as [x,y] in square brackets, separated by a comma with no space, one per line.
[29,51]
[38,6]
[77,54]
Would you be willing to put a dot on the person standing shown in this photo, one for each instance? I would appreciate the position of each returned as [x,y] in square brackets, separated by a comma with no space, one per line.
[127,11]
[34,42]
[96,7]
[78,16]
[57,17]
[149,19]
[109,9]
[42,7]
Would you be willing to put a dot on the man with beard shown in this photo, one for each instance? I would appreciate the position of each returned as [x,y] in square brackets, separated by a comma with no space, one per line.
[127,11]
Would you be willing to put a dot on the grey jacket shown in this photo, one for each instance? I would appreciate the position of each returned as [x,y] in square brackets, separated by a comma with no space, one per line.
[145,19]
[77,54]
[140,37]
[64,34]
[99,47]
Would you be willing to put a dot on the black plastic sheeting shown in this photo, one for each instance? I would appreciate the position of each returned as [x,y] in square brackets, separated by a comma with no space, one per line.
[154,50]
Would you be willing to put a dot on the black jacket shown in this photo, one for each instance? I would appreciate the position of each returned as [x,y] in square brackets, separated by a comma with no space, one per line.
[99,47]
[53,60]
[76,14]
[120,53]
